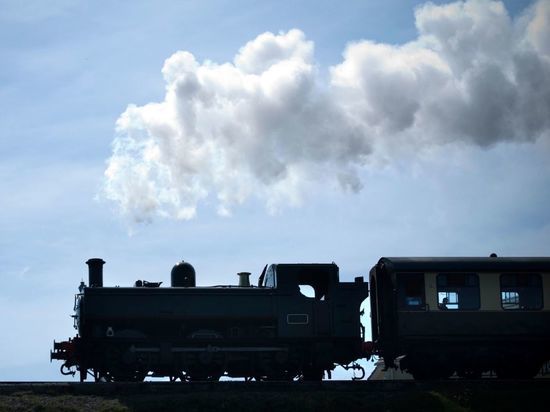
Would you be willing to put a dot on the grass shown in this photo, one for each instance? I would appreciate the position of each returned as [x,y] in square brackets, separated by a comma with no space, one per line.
[444,399]
[26,401]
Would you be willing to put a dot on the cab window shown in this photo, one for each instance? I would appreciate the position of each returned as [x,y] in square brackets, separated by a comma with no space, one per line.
[270,278]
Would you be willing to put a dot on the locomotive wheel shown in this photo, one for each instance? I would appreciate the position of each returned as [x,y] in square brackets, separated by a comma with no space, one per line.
[313,374]
[178,375]
[124,376]
[211,378]
[276,376]
[469,373]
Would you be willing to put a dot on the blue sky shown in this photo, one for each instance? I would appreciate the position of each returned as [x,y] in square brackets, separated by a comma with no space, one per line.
[459,177]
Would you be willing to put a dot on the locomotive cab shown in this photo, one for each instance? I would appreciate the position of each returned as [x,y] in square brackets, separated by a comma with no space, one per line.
[321,278]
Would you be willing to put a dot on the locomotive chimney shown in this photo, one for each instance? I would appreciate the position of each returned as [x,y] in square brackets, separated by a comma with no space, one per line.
[95,272]
[244,279]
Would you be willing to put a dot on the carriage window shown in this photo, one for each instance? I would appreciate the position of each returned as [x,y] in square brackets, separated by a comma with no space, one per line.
[509,300]
[410,291]
[521,291]
[458,291]
[447,300]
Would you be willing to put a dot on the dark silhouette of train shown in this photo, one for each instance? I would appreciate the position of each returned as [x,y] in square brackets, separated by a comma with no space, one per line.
[267,332]
[437,317]
[432,317]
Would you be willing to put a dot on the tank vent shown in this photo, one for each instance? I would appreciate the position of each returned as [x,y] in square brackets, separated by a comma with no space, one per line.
[95,272]
[183,275]
[244,279]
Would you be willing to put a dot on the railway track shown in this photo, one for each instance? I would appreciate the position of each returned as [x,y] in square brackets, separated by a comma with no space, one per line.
[91,388]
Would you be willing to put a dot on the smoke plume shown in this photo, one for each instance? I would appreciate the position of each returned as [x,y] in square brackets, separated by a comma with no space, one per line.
[266,125]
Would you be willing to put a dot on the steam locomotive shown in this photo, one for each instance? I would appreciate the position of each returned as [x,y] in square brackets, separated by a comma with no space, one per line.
[271,331]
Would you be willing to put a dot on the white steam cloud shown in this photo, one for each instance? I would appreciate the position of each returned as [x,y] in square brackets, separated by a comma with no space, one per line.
[266,125]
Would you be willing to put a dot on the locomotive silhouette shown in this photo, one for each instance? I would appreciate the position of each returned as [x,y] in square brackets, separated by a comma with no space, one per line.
[432,317]
[266,332]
